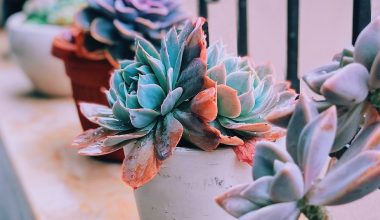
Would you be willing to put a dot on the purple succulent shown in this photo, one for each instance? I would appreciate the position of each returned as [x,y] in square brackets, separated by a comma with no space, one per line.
[113,25]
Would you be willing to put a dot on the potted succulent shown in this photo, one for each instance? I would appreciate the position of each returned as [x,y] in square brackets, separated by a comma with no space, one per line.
[342,128]
[187,118]
[41,20]
[103,33]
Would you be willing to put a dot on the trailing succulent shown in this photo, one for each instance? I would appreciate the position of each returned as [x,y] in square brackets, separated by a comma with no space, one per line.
[108,28]
[245,96]
[162,97]
[351,81]
[57,12]
[292,180]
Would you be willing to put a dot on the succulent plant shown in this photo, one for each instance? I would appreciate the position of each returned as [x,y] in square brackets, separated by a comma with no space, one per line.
[351,82]
[108,28]
[150,99]
[245,96]
[290,181]
[57,12]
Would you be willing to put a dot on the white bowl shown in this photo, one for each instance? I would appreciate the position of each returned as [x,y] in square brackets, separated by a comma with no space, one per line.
[31,46]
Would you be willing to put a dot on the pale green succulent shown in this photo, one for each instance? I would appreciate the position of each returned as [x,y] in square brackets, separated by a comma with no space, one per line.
[245,96]
[57,12]
[150,99]
[290,181]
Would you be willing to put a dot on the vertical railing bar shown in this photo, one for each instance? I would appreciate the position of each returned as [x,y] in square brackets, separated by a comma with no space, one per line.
[361,17]
[292,43]
[242,36]
[203,12]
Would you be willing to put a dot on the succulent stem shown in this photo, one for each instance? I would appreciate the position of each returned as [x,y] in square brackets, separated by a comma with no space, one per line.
[313,212]
[374,98]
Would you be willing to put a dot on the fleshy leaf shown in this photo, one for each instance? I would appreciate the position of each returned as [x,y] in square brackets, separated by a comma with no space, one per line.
[198,132]
[305,111]
[91,137]
[150,96]
[367,44]
[315,144]
[279,211]
[140,164]
[357,178]
[171,100]
[218,74]
[142,117]
[233,203]
[287,184]
[348,125]
[258,191]
[315,78]
[240,81]
[266,154]
[204,105]
[116,139]
[168,134]
[228,102]
[336,91]
[191,79]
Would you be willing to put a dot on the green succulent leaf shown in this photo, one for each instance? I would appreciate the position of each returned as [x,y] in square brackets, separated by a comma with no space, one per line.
[357,178]
[150,96]
[191,79]
[218,74]
[142,117]
[287,184]
[235,204]
[279,211]
[170,101]
[265,155]
[305,111]
[168,134]
[336,91]
[258,191]
[198,132]
[315,144]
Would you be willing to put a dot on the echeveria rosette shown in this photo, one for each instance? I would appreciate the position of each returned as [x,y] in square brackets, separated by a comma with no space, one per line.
[351,82]
[245,95]
[150,99]
[56,12]
[290,181]
[108,28]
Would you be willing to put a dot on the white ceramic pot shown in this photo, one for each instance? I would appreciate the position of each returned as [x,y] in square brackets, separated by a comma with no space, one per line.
[187,184]
[31,46]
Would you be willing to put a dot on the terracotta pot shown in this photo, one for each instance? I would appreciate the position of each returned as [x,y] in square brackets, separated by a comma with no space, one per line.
[88,79]
[187,184]
[31,44]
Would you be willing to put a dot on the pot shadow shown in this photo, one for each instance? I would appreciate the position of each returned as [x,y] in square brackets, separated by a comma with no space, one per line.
[35,94]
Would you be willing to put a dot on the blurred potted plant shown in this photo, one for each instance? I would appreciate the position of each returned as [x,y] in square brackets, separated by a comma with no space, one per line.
[345,122]
[31,34]
[190,96]
[104,33]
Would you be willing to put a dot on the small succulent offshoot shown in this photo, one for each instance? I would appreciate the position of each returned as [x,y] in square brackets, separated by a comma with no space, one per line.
[108,28]
[292,180]
[55,12]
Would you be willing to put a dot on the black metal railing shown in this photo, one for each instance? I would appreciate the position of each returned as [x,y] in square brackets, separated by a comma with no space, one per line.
[361,17]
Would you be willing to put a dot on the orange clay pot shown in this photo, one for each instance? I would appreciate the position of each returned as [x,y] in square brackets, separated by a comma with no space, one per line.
[88,79]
